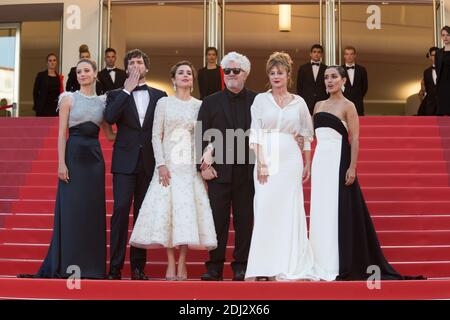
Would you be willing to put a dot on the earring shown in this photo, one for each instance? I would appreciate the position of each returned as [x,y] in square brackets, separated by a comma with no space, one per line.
[192,89]
[343,88]
[326,90]
[174,87]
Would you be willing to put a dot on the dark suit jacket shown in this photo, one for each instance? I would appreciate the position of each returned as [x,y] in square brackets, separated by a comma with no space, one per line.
[356,92]
[40,91]
[215,113]
[438,63]
[131,137]
[311,91]
[72,84]
[428,107]
[105,78]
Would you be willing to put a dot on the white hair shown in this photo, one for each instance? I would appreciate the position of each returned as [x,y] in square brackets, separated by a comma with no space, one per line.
[238,58]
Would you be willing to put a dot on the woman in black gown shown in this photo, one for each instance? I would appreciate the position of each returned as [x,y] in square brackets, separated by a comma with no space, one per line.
[46,89]
[79,232]
[210,78]
[342,234]
[443,74]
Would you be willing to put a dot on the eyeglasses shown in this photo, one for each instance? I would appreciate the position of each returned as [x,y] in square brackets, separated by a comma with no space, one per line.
[235,71]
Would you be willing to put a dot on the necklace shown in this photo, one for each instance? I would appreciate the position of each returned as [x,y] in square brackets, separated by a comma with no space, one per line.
[280,99]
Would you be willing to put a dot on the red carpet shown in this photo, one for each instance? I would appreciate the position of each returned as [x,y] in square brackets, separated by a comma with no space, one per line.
[403,170]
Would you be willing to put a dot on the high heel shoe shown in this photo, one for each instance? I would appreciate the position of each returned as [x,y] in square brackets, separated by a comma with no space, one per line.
[182,278]
[174,278]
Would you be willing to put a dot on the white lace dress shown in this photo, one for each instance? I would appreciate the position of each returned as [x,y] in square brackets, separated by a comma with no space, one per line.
[179,214]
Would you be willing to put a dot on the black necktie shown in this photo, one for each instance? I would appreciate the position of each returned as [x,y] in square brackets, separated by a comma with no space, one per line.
[315,64]
[352,67]
[109,70]
[434,68]
[142,87]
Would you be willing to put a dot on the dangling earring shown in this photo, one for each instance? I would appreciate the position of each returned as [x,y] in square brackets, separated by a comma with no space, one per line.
[174,87]
[326,90]
[343,88]
[192,89]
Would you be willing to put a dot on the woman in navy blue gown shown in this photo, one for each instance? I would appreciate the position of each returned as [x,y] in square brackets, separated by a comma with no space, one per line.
[79,233]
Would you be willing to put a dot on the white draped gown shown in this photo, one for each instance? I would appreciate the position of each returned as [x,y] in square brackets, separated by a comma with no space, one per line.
[280,248]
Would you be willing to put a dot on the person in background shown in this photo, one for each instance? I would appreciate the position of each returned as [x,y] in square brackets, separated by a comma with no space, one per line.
[428,87]
[310,83]
[210,78]
[357,85]
[47,87]
[443,74]
[111,77]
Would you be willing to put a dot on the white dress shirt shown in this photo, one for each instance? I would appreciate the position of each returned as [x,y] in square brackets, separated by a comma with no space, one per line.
[434,74]
[351,73]
[142,100]
[112,74]
[315,69]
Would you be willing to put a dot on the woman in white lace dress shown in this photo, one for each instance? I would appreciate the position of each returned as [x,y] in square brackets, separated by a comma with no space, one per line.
[176,212]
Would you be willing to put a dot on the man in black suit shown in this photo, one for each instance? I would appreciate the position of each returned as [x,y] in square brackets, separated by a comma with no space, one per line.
[310,79]
[428,107]
[357,83]
[111,77]
[132,110]
[227,166]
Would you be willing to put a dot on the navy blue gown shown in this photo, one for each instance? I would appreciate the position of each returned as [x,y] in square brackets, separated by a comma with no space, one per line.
[79,232]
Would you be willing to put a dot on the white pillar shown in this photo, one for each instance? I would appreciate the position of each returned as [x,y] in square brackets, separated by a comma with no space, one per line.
[330,32]
[81,25]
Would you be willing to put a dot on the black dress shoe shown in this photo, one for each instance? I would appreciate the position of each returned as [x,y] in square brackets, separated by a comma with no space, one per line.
[114,275]
[138,274]
[239,276]
[211,276]
[28,276]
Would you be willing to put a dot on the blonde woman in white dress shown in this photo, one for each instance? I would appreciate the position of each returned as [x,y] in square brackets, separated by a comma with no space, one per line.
[176,212]
[280,249]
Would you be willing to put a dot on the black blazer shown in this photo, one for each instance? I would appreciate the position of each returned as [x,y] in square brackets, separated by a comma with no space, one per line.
[105,78]
[311,91]
[40,91]
[215,113]
[72,84]
[356,92]
[428,107]
[131,137]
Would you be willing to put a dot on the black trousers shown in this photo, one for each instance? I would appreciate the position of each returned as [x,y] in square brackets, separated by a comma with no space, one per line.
[238,195]
[127,187]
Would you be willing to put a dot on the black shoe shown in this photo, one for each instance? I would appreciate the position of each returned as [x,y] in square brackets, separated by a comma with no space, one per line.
[262,279]
[114,275]
[138,274]
[27,276]
[239,276]
[211,276]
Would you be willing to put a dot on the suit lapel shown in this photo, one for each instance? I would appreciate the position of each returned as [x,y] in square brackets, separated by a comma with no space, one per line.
[135,110]
[150,107]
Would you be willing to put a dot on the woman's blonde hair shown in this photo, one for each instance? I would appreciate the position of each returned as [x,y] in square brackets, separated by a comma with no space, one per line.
[280,60]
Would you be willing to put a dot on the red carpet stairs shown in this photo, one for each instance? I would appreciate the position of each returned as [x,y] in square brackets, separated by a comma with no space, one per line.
[404,167]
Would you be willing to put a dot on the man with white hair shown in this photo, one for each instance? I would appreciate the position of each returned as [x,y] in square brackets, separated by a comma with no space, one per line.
[226,165]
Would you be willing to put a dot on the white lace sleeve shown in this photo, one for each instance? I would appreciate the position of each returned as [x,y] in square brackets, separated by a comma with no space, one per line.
[63,96]
[306,126]
[158,131]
